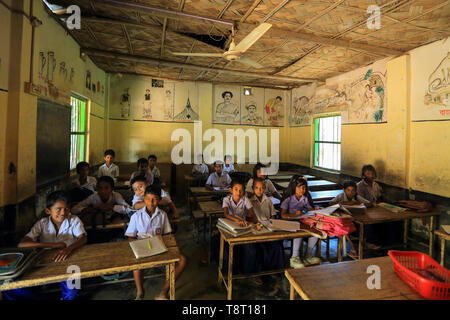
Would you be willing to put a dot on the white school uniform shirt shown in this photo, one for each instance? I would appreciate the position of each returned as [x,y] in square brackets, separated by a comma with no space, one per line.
[263,209]
[115,199]
[90,183]
[227,169]
[155,172]
[165,199]
[143,226]
[223,181]
[200,169]
[112,171]
[44,231]
[238,209]
[269,188]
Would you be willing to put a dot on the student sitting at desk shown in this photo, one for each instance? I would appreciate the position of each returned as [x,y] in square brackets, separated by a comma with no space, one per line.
[218,178]
[228,166]
[269,188]
[200,171]
[349,196]
[81,185]
[247,257]
[151,221]
[295,205]
[272,252]
[59,231]
[142,166]
[139,184]
[104,200]
[109,168]
[152,159]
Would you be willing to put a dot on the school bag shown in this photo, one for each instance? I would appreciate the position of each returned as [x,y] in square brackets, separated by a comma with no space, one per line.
[331,225]
[14,262]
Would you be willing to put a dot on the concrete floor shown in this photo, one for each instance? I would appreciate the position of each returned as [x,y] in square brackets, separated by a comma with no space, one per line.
[197,282]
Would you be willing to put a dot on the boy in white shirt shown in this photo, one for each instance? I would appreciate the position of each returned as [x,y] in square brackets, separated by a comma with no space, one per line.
[152,159]
[81,185]
[218,178]
[139,184]
[150,221]
[228,166]
[104,201]
[58,231]
[109,168]
[200,171]
[142,165]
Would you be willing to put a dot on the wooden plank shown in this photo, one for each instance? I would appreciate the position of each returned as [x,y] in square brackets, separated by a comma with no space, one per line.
[202,191]
[210,207]
[380,215]
[442,234]
[314,185]
[93,260]
[348,281]
[325,195]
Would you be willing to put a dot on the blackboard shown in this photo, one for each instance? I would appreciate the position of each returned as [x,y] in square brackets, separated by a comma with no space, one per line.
[52,142]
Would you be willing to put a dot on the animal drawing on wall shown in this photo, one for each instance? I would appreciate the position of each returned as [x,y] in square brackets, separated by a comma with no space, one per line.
[168,105]
[227,111]
[367,98]
[273,111]
[147,105]
[251,117]
[188,114]
[438,90]
[302,110]
[125,104]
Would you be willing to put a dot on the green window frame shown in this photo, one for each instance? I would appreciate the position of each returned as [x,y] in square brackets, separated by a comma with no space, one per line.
[78,128]
[327,142]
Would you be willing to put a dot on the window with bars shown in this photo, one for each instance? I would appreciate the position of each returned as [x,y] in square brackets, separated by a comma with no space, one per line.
[78,131]
[327,142]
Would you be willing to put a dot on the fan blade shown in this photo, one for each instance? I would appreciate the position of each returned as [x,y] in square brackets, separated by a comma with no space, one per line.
[252,37]
[59,11]
[187,54]
[249,62]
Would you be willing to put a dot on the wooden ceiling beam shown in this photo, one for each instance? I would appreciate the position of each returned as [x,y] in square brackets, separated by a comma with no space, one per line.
[163,37]
[167,63]
[275,10]
[127,37]
[250,10]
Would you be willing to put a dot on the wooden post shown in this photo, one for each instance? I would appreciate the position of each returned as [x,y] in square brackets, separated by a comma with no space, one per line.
[328,248]
[339,249]
[405,233]
[361,241]
[230,271]
[167,272]
[172,281]
[292,293]
[442,251]
[431,234]
[319,249]
[219,277]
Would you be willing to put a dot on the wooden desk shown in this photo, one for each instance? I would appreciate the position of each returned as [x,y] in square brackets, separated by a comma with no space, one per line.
[209,209]
[348,281]
[314,185]
[251,238]
[202,191]
[377,214]
[97,260]
[287,177]
[443,236]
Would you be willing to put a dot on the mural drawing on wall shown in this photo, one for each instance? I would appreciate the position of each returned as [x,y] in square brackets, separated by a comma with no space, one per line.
[147,105]
[274,108]
[227,111]
[302,105]
[253,107]
[186,102]
[438,87]
[168,105]
[188,114]
[51,86]
[125,104]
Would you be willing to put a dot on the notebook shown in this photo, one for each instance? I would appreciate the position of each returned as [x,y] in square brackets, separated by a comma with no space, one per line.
[356,208]
[148,247]
[391,207]
[282,225]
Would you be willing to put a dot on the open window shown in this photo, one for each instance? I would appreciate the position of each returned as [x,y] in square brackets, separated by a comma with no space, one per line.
[327,142]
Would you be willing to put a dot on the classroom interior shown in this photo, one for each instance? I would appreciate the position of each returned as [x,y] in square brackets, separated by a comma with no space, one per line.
[124,80]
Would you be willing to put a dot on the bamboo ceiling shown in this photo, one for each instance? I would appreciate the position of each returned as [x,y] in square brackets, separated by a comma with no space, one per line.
[310,39]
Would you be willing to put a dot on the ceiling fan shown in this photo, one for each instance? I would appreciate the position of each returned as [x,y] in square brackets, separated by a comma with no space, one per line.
[235,52]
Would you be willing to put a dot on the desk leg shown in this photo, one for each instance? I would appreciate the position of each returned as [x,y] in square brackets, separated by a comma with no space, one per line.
[209,239]
[339,248]
[167,272]
[292,293]
[405,233]
[431,234]
[442,251]
[204,227]
[319,249]
[328,248]
[222,243]
[172,281]
[230,271]
[361,241]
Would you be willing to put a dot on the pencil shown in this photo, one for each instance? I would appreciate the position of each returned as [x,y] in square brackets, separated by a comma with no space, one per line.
[149,246]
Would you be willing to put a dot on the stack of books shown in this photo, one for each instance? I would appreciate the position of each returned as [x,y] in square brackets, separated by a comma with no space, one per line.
[233,228]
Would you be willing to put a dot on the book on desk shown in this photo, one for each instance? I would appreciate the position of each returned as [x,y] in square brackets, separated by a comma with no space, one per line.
[148,247]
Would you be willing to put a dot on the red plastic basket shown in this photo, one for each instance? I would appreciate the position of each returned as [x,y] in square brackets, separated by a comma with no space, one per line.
[407,262]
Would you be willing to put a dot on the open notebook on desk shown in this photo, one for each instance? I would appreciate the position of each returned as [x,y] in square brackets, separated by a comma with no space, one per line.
[148,247]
